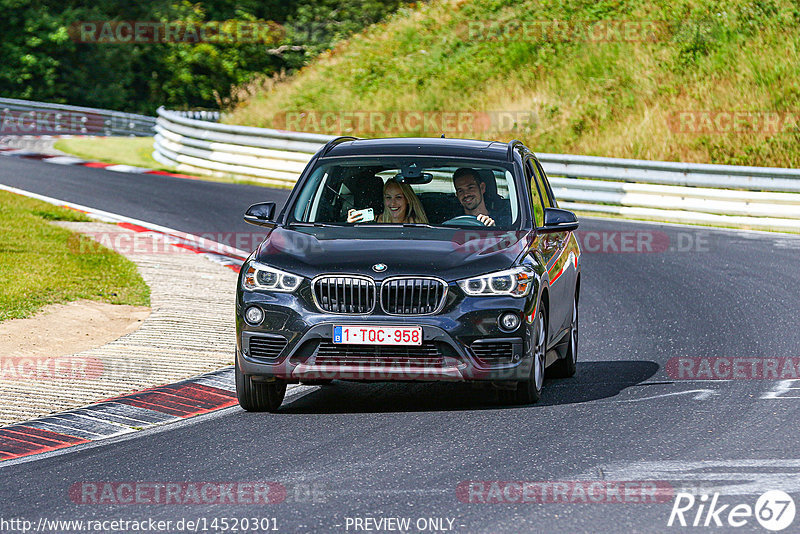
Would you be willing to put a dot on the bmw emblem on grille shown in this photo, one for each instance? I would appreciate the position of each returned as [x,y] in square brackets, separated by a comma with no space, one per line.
[379,267]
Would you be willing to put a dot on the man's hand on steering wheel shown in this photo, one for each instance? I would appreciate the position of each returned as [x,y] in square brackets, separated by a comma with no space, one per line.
[485,219]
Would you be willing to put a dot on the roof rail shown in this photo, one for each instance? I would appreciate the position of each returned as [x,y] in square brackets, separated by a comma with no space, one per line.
[511,145]
[333,142]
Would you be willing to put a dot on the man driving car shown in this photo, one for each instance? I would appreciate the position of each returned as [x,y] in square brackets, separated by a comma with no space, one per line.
[470,191]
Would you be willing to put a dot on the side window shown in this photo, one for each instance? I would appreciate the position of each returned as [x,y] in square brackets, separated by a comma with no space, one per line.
[544,187]
[536,197]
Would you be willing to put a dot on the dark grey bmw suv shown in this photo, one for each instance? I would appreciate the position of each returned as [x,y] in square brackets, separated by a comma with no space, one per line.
[410,259]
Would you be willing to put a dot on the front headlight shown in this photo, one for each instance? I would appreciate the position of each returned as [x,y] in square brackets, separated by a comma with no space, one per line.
[260,276]
[516,282]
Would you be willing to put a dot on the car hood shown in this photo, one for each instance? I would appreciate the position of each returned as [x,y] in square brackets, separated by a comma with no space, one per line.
[448,253]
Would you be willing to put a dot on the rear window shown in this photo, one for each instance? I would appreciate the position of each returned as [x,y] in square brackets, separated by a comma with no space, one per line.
[427,187]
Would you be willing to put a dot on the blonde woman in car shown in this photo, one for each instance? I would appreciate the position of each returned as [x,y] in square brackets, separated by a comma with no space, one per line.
[400,205]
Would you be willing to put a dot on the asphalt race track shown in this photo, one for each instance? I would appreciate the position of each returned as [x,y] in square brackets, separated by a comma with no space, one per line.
[192,206]
[357,451]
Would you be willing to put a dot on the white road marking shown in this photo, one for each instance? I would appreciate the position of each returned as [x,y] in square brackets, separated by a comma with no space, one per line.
[127,168]
[784,386]
[65,160]
[727,477]
[700,394]
[18,152]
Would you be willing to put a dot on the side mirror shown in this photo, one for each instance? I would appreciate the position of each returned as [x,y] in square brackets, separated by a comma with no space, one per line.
[558,220]
[260,214]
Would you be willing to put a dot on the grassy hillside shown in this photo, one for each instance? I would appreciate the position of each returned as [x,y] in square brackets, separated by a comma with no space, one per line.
[589,89]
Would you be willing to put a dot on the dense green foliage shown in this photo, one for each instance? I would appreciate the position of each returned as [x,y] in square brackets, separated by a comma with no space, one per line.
[609,96]
[44,60]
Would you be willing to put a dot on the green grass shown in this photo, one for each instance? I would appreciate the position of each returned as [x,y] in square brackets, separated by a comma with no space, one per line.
[42,264]
[134,151]
[613,98]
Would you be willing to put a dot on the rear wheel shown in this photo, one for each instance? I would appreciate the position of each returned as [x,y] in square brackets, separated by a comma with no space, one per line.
[530,391]
[258,396]
[566,366]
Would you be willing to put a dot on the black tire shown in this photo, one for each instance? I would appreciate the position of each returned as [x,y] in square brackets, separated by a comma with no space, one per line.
[530,391]
[317,382]
[566,366]
[258,396]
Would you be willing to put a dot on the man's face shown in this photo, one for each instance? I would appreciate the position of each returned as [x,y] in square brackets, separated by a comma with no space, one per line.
[469,192]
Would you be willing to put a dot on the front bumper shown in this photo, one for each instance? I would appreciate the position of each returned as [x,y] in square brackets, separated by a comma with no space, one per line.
[449,347]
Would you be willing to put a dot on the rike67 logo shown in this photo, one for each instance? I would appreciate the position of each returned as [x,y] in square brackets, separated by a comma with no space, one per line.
[774,510]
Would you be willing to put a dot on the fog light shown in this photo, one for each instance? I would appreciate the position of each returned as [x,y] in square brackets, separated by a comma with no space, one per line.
[253,315]
[509,321]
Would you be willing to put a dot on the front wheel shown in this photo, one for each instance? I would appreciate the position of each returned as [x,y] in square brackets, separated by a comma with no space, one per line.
[317,382]
[566,366]
[258,396]
[530,391]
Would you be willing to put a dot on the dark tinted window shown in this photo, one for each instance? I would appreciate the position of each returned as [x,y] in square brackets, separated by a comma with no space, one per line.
[536,196]
[338,185]
[544,186]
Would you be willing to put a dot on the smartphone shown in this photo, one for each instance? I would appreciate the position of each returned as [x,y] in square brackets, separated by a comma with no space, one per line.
[367,215]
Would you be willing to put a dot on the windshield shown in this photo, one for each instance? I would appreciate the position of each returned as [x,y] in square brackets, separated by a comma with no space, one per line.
[387,190]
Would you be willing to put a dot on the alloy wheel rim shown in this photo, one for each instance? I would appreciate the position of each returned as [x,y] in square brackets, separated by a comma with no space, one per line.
[538,373]
[574,336]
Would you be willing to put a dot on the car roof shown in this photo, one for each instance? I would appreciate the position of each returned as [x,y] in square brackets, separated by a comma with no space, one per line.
[432,146]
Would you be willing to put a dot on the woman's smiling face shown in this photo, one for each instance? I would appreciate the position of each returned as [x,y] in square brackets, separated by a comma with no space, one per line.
[395,203]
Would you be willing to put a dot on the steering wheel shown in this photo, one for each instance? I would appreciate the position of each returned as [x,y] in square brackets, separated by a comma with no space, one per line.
[466,220]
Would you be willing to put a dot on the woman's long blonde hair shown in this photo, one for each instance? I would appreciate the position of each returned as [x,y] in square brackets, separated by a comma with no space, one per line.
[415,212]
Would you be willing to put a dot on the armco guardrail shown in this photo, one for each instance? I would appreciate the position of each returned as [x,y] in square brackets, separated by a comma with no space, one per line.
[755,197]
[272,156]
[24,117]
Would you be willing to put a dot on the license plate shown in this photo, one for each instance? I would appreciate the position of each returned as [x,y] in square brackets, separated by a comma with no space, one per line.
[377,335]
